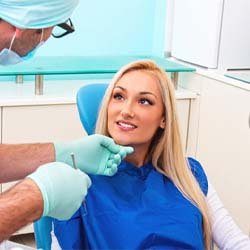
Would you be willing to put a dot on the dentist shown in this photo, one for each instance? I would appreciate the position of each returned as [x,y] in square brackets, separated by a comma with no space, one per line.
[25,25]
[50,185]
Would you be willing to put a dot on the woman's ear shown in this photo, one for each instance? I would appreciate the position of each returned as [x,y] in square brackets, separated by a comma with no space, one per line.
[162,123]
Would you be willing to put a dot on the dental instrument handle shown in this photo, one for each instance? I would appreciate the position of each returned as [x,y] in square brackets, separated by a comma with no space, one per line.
[73,160]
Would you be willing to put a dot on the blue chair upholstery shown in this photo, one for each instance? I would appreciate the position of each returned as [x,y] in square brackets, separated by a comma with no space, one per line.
[42,229]
[88,100]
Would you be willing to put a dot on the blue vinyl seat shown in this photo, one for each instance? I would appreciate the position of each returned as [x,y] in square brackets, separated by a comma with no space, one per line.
[42,229]
[88,100]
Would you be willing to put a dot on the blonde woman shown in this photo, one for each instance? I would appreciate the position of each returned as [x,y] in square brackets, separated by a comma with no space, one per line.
[157,199]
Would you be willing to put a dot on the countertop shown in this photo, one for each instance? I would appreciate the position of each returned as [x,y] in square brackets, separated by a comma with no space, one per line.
[237,78]
[221,76]
[64,65]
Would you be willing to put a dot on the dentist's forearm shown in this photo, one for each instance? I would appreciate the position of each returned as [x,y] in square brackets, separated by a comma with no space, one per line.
[21,205]
[19,160]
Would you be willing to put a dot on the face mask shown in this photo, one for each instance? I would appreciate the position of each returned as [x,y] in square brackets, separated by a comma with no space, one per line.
[9,57]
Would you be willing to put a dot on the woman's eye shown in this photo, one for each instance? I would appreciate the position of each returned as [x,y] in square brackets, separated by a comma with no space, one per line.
[117,96]
[145,102]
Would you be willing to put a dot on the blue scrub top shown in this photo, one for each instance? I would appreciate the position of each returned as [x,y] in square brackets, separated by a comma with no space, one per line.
[137,208]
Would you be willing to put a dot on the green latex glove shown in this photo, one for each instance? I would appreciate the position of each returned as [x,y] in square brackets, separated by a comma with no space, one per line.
[63,189]
[95,154]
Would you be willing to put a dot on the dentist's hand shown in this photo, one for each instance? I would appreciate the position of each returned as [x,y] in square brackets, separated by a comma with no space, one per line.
[63,189]
[95,154]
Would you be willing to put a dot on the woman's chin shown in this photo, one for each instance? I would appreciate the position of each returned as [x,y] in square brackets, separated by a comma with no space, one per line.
[122,142]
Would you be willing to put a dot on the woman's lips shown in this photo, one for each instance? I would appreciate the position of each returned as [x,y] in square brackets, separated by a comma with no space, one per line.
[125,125]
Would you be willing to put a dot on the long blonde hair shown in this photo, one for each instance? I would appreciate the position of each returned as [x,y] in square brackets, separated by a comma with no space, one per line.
[166,152]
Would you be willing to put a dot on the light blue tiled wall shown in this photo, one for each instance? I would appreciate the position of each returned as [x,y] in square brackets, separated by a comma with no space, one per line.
[113,27]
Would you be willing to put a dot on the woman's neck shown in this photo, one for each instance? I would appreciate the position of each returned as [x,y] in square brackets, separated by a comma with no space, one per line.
[139,156]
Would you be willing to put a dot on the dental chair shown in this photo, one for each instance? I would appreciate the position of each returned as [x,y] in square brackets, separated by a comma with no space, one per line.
[88,100]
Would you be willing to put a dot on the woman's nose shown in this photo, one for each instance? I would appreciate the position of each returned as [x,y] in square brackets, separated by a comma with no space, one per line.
[127,111]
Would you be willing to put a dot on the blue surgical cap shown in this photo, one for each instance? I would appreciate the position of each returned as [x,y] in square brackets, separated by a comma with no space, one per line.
[36,14]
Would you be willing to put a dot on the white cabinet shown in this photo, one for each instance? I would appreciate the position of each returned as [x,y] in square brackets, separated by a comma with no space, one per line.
[41,123]
[224,144]
[202,33]
[196,31]
[222,138]
[183,106]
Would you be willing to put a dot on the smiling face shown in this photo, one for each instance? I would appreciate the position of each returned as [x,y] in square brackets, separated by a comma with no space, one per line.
[135,110]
